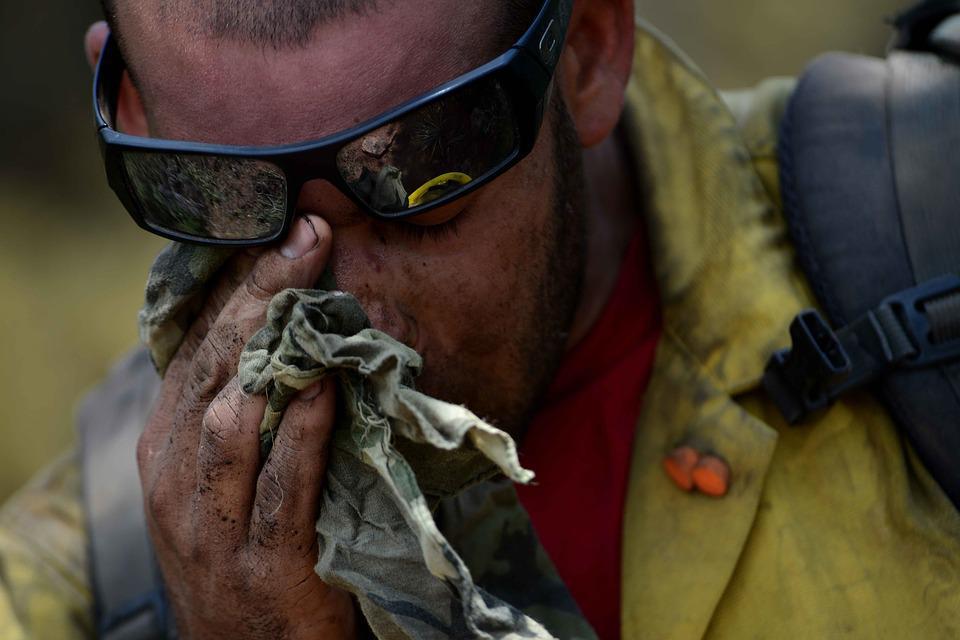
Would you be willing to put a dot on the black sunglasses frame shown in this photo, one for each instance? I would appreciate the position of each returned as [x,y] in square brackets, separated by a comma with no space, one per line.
[525,73]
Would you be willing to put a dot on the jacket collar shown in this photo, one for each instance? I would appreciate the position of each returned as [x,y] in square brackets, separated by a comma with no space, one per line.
[723,261]
[729,290]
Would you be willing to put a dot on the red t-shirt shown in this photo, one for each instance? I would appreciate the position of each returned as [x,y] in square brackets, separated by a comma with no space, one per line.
[580,444]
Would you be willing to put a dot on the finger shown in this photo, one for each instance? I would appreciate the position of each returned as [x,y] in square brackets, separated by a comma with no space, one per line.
[288,490]
[228,458]
[227,280]
[299,263]
[256,275]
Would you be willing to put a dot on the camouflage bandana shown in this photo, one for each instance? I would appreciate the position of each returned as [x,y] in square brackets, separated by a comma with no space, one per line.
[396,454]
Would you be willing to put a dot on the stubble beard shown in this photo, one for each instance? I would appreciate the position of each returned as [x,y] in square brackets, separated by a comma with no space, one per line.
[542,306]
[542,340]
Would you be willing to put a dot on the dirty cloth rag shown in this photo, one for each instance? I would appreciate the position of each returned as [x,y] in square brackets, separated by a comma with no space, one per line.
[395,453]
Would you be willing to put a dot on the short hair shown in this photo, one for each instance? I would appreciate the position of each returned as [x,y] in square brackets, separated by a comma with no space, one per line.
[282,24]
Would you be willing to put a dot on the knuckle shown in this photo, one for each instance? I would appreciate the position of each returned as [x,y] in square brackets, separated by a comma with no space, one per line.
[208,370]
[274,504]
[194,337]
[306,429]
[267,534]
[151,445]
[143,455]
[296,437]
[164,504]
[281,465]
[220,421]
[271,490]
[203,382]
[219,428]
[145,451]
[262,285]
[159,503]
[217,300]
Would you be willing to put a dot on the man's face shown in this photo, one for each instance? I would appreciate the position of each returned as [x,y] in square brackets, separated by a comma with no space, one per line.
[486,297]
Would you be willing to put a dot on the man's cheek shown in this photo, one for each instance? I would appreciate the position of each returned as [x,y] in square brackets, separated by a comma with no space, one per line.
[467,338]
[388,317]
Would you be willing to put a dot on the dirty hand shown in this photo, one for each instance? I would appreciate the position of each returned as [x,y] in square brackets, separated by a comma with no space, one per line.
[236,543]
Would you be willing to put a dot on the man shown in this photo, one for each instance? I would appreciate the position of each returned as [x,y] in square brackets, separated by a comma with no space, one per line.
[533,304]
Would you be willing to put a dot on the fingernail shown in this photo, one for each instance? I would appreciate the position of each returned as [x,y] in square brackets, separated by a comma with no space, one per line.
[312,391]
[300,241]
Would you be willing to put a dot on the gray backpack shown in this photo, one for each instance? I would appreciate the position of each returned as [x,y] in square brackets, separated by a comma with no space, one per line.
[870,175]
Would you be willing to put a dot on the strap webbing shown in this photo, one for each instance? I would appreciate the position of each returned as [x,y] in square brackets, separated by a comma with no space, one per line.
[902,333]
[870,176]
[944,318]
[128,591]
[924,102]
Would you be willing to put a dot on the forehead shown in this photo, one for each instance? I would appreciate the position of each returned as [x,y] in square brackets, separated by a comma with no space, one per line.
[203,88]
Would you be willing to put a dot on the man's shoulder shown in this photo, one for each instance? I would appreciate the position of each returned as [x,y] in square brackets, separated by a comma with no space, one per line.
[851,534]
[46,591]
[758,112]
[45,546]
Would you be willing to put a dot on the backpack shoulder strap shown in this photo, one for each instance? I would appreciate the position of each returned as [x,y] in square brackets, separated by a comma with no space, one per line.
[869,162]
[128,592]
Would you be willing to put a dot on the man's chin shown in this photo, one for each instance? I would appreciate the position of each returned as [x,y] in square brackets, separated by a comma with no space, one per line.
[508,401]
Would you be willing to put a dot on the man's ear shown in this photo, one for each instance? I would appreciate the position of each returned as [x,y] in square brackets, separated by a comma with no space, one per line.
[131,115]
[596,66]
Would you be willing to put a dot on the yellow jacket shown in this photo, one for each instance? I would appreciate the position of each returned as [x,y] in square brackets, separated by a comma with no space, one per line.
[829,529]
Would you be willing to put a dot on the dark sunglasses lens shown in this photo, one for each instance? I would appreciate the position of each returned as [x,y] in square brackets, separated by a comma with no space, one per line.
[432,152]
[208,197]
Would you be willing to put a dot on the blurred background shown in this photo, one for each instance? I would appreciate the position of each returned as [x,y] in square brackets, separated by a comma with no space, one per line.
[72,264]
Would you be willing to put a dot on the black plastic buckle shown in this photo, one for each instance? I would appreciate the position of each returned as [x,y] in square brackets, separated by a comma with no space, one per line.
[909,306]
[799,379]
[818,368]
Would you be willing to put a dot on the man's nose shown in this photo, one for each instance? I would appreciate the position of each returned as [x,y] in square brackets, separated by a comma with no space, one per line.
[358,259]
[322,198]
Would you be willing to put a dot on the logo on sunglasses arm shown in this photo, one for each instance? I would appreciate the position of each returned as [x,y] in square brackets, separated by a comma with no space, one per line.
[550,44]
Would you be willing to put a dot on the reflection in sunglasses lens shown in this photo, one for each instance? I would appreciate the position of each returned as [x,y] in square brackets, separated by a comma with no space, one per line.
[208,196]
[432,152]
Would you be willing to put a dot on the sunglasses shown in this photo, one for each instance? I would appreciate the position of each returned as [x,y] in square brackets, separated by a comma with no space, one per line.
[406,162]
